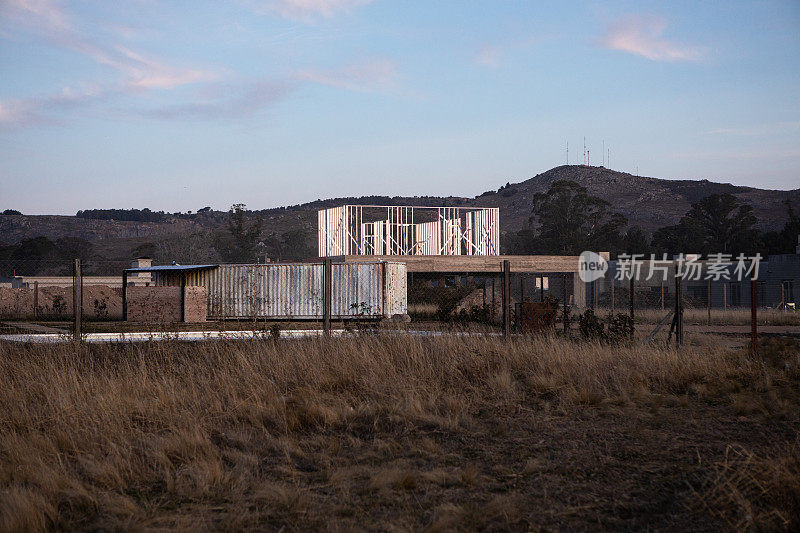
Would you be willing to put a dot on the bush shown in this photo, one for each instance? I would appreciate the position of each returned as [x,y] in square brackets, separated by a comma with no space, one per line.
[615,329]
[590,326]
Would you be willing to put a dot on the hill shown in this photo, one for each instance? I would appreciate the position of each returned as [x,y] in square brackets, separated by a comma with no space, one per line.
[291,231]
[648,202]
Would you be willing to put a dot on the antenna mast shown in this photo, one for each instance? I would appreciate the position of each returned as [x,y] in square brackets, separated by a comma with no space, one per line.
[584,149]
[603,155]
[567,153]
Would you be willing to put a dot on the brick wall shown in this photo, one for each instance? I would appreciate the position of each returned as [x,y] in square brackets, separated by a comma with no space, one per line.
[162,305]
[195,304]
[99,302]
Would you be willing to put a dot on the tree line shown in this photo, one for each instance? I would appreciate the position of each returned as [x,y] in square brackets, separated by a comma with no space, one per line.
[567,220]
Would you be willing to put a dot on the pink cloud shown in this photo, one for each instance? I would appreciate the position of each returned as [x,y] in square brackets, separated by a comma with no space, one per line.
[306,9]
[48,19]
[363,77]
[225,101]
[642,35]
[487,56]
[147,73]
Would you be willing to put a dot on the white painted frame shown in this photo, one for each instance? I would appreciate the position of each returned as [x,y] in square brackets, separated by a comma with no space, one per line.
[456,231]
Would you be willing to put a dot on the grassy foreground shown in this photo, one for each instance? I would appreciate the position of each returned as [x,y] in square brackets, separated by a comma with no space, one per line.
[398,433]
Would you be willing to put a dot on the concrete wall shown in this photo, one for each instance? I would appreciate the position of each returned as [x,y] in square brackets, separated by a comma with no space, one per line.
[162,305]
[99,302]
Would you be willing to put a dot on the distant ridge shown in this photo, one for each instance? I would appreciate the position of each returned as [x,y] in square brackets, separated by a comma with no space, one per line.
[648,202]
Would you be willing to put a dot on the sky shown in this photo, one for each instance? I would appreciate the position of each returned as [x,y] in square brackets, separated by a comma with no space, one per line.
[179,105]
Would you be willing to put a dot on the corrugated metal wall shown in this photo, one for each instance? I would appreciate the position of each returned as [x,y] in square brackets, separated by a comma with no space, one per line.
[288,291]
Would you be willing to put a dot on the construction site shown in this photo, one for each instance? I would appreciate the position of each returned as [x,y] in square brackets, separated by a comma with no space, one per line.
[409,266]
[409,374]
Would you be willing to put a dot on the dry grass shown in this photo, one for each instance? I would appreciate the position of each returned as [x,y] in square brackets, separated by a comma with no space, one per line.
[395,433]
[720,317]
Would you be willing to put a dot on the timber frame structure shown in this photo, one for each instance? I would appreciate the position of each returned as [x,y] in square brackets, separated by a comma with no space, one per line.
[408,231]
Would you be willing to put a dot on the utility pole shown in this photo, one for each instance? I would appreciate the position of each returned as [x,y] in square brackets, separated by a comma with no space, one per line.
[564,303]
[506,298]
[327,295]
[77,298]
[633,289]
[753,315]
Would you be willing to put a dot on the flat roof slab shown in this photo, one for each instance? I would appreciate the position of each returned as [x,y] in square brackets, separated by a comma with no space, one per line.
[473,263]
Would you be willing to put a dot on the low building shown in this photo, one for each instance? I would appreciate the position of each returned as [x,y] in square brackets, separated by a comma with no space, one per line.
[777,284]
[11,283]
[281,291]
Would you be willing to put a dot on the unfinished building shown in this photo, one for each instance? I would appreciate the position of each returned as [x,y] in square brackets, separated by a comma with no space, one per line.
[444,245]
[408,230]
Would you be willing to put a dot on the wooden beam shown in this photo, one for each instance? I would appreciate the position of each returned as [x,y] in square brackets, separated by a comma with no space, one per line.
[473,263]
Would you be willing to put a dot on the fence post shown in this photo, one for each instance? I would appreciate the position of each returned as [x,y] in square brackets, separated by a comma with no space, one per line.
[327,294]
[77,298]
[633,322]
[35,299]
[124,295]
[724,296]
[506,297]
[753,315]
[183,297]
[613,280]
[494,300]
[708,300]
[783,298]
[678,310]
[565,303]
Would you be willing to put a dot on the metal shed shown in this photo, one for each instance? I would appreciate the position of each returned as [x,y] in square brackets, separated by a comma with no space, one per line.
[294,290]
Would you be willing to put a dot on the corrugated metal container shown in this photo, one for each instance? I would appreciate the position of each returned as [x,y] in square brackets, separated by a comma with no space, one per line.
[294,291]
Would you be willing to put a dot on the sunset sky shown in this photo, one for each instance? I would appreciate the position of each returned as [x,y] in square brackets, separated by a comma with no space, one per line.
[180,105]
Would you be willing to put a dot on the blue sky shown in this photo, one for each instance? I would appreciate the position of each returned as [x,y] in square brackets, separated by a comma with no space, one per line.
[181,105]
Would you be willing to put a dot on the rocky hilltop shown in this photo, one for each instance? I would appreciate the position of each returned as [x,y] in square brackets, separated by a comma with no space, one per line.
[648,202]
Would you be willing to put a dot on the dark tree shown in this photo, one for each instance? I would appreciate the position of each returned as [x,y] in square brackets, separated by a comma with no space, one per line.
[727,223]
[635,241]
[31,256]
[70,248]
[784,241]
[136,215]
[11,212]
[241,243]
[571,220]
[684,237]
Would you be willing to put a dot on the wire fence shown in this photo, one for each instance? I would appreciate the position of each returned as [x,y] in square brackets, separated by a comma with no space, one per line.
[43,289]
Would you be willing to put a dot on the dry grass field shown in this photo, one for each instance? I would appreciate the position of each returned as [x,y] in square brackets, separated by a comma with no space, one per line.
[721,317]
[399,433]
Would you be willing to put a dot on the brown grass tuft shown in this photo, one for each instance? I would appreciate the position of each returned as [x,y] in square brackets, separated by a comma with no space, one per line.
[755,492]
